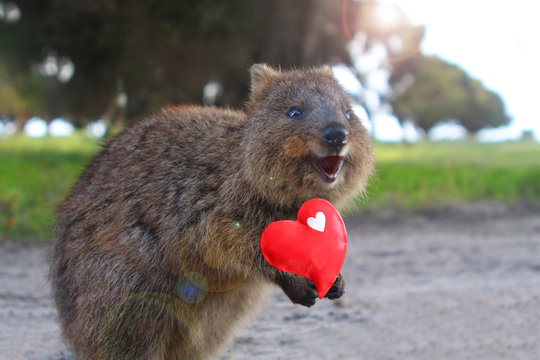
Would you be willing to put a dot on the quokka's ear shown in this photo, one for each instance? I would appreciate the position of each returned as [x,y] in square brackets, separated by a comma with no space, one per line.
[261,75]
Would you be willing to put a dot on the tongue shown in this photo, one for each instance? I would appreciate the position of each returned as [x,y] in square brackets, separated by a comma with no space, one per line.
[330,165]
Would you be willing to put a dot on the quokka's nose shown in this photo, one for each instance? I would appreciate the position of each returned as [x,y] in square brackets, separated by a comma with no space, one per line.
[335,136]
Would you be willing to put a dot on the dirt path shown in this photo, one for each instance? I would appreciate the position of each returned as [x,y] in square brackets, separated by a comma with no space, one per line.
[461,284]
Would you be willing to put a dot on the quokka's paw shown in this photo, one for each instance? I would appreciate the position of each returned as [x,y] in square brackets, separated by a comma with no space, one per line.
[337,289]
[301,290]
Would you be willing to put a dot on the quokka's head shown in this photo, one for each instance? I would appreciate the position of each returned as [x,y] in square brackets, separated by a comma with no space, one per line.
[303,140]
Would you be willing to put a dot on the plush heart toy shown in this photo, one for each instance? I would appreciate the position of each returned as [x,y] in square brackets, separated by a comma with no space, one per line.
[313,246]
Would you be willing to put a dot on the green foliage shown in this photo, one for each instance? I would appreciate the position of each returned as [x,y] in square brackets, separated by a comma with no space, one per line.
[21,93]
[438,87]
[484,108]
[442,91]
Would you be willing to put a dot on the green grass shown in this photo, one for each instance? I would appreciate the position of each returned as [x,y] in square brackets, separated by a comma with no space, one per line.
[440,174]
[36,174]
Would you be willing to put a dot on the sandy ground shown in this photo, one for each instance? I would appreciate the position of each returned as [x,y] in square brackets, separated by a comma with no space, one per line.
[456,284]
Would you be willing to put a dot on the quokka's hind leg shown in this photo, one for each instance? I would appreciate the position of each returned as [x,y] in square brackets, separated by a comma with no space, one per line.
[140,326]
[216,318]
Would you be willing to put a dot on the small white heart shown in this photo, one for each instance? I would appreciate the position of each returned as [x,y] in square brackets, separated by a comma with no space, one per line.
[318,222]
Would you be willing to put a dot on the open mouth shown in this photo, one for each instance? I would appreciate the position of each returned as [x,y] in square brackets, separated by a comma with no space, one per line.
[329,166]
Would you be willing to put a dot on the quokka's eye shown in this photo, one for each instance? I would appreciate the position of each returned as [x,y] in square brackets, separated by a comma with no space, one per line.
[296,112]
[348,114]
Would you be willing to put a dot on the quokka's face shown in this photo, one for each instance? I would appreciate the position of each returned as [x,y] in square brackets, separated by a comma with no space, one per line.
[314,144]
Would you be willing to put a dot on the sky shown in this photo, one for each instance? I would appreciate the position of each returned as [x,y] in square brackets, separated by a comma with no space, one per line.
[495,41]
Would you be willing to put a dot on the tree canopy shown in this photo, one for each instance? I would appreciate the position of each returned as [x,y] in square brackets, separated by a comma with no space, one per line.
[160,52]
[442,91]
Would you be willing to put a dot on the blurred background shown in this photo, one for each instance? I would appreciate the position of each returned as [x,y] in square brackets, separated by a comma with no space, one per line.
[447,89]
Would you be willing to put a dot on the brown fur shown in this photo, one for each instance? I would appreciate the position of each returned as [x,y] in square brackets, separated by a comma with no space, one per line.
[179,201]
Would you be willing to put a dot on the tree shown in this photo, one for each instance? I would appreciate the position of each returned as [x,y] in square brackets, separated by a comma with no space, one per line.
[436,94]
[442,91]
[166,51]
[484,108]
[21,95]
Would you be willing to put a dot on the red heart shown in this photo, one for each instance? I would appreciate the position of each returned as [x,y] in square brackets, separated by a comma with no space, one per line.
[313,246]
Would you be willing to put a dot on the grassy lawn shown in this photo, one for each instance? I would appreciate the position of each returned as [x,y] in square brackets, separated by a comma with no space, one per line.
[36,174]
[439,174]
